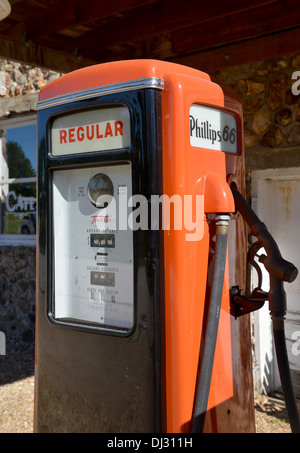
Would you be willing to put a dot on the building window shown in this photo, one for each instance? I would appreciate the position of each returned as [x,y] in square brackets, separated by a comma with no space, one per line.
[18,181]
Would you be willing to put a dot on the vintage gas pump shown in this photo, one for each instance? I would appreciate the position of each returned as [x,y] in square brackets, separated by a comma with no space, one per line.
[133,307]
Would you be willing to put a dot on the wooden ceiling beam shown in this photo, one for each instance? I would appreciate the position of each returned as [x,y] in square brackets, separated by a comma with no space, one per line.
[70,13]
[39,56]
[221,32]
[255,50]
[30,27]
[224,34]
[258,22]
[91,10]
[260,49]
[155,19]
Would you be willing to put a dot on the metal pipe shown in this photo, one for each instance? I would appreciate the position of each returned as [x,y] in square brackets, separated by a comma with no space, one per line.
[207,358]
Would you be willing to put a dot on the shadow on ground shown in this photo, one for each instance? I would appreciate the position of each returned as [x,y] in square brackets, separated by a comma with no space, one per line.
[18,361]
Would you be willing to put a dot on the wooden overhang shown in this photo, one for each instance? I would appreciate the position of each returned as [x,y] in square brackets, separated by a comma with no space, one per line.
[64,35]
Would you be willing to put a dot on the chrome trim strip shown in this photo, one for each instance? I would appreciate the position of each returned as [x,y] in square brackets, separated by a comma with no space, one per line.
[150,82]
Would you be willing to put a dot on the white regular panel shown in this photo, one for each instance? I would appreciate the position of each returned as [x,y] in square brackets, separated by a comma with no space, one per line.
[92,130]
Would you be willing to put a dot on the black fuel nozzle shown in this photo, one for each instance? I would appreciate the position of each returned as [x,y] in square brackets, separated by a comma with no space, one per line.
[273,261]
[280,271]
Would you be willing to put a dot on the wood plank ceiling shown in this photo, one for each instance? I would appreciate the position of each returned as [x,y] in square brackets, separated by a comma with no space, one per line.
[64,35]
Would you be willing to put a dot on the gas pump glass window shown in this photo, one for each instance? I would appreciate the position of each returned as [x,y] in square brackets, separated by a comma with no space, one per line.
[18,173]
[92,255]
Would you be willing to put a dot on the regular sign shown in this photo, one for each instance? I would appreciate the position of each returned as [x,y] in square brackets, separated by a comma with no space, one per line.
[91,131]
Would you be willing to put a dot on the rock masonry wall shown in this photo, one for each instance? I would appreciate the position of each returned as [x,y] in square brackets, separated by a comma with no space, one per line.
[17,292]
[271,111]
[19,87]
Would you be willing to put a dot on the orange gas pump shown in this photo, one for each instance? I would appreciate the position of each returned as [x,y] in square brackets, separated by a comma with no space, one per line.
[134,328]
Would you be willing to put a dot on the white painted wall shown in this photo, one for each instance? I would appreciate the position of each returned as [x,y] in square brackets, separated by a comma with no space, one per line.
[276,200]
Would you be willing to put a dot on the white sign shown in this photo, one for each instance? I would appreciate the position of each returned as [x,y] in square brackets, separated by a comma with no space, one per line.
[90,131]
[93,261]
[213,129]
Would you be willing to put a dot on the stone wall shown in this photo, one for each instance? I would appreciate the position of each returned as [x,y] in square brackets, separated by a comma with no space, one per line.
[19,87]
[17,292]
[271,111]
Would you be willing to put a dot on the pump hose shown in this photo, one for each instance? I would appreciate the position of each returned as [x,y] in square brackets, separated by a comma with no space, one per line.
[279,270]
[285,375]
[206,363]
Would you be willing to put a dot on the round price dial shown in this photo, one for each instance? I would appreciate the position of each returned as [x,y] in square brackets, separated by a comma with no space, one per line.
[100,190]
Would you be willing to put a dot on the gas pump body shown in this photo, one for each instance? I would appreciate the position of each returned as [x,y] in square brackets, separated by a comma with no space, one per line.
[121,311]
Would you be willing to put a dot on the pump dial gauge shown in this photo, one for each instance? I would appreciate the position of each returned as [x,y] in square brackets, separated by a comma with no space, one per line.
[100,190]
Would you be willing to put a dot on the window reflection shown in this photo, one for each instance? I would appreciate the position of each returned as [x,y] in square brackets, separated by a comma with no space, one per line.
[18,170]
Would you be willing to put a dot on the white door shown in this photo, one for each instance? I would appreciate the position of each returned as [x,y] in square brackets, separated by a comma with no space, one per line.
[276,200]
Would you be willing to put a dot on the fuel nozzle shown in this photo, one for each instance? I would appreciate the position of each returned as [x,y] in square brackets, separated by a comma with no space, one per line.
[273,261]
[280,271]
[280,268]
